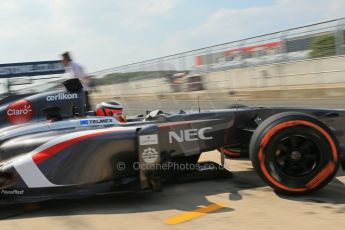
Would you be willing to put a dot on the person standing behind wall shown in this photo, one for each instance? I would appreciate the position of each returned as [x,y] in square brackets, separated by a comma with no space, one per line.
[74,70]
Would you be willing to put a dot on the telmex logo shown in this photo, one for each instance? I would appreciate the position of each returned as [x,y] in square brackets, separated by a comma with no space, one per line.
[62,96]
[95,122]
[189,135]
[19,112]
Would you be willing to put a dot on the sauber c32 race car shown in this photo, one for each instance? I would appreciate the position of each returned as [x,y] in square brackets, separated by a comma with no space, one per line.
[295,151]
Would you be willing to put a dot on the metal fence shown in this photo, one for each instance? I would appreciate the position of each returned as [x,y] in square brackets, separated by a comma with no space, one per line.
[185,71]
[304,62]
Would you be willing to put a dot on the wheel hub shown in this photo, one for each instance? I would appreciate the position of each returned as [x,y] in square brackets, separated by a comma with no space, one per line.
[296,155]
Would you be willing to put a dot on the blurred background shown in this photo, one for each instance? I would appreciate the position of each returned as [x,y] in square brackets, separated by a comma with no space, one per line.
[300,65]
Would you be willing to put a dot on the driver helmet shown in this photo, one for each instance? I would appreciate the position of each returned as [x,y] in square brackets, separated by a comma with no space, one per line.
[110,108]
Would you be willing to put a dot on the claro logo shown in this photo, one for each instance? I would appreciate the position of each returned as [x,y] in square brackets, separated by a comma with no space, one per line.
[189,135]
[62,97]
[19,112]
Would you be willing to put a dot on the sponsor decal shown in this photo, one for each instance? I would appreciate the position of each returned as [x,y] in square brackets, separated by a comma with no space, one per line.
[96,122]
[84,122]
[12,192]
[150,155]
[19,112]
[189,135]
[62,97]
[148,139]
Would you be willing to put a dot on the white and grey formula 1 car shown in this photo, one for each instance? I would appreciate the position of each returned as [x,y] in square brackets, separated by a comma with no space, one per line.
[295,151]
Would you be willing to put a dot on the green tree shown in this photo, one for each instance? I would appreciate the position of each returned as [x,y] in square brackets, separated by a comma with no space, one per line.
[323,46]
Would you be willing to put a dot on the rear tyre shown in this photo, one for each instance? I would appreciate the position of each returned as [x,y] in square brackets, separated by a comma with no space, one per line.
[294,153]
[234,152]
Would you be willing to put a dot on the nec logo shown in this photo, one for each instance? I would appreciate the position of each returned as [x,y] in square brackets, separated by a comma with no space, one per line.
[189,135]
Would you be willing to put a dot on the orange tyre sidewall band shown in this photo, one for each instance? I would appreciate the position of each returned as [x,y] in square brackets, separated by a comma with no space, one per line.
[229,152]
[323,174]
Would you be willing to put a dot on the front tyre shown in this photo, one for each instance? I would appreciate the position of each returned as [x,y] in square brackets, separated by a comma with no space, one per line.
[294,153]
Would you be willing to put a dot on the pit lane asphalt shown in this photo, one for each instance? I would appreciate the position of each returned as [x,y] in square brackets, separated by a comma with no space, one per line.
[248,204]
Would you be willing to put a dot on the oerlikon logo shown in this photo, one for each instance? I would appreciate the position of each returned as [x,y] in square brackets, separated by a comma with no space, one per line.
[19,112]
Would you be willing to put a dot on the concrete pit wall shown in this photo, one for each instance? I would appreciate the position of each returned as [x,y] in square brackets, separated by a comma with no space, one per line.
[322,77]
